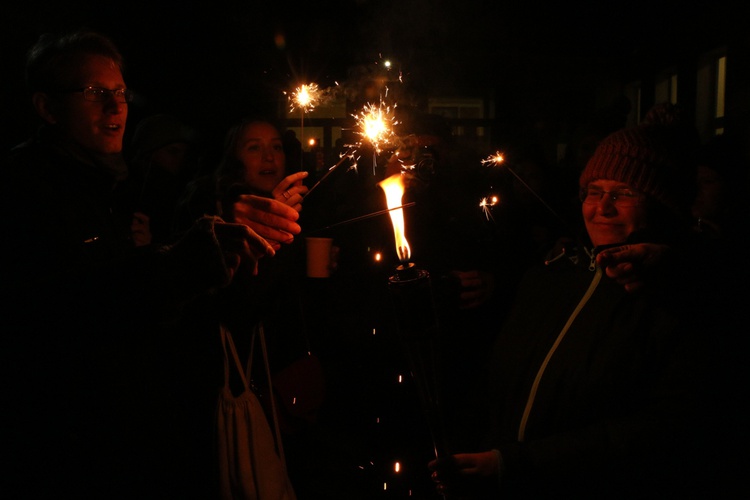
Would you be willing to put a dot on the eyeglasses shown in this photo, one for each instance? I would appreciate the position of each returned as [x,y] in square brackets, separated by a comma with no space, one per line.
[99,94]
[619,197]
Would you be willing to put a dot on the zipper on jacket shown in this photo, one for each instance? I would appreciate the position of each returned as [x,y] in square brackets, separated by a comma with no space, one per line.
[592,258]
[532,394]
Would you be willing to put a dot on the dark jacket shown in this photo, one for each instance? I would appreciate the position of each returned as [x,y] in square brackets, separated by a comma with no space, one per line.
[272,296]
[96,379]
[600,393]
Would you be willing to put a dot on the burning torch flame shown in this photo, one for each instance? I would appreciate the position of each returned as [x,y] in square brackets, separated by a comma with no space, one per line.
[393,187]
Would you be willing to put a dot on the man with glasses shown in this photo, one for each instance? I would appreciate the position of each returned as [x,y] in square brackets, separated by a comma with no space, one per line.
[601,392]
[103,400]
[98,94]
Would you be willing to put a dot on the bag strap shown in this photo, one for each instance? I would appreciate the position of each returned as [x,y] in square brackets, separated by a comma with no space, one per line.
[226,338]
[260,332]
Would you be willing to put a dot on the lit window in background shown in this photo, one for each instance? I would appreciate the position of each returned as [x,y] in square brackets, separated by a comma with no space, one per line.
[666,88]
[721,75]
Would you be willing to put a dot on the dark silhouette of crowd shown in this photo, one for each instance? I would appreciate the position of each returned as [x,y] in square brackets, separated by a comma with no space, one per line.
[122,260]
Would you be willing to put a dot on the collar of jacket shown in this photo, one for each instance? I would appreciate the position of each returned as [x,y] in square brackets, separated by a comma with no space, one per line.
[111,164]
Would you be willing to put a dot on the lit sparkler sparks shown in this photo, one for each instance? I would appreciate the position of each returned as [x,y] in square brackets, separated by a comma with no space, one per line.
[497,159]
[305,97]
[487,203]
[376,124]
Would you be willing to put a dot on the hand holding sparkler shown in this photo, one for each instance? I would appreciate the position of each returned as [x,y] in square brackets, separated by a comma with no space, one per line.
[270,218]
[291,191]
[630,265]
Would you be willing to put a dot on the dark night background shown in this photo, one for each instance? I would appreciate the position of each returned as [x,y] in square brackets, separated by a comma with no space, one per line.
[210,62]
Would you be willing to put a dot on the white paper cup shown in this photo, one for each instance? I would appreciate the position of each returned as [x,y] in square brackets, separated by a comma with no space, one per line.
[318,257]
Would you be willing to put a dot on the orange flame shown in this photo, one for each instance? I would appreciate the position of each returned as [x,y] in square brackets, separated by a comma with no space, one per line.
[394,187]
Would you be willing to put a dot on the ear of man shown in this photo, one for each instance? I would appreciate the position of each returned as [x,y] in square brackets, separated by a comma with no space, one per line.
[45,107]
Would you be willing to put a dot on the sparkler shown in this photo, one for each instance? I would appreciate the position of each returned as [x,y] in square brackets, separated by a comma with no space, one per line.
[376,126]
[305,97]
[487,203]
[498,159]
[363,217]
[348,155]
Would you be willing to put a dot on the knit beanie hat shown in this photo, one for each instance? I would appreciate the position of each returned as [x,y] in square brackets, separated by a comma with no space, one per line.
[653,158]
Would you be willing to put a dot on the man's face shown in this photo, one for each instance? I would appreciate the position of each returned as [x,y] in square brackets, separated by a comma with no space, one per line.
[611,221]
[96,126]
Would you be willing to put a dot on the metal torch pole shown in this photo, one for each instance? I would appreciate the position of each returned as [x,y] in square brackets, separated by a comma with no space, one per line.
[413,300]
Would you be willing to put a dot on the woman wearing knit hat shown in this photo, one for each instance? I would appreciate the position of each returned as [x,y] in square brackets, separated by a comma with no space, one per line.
[595,391]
